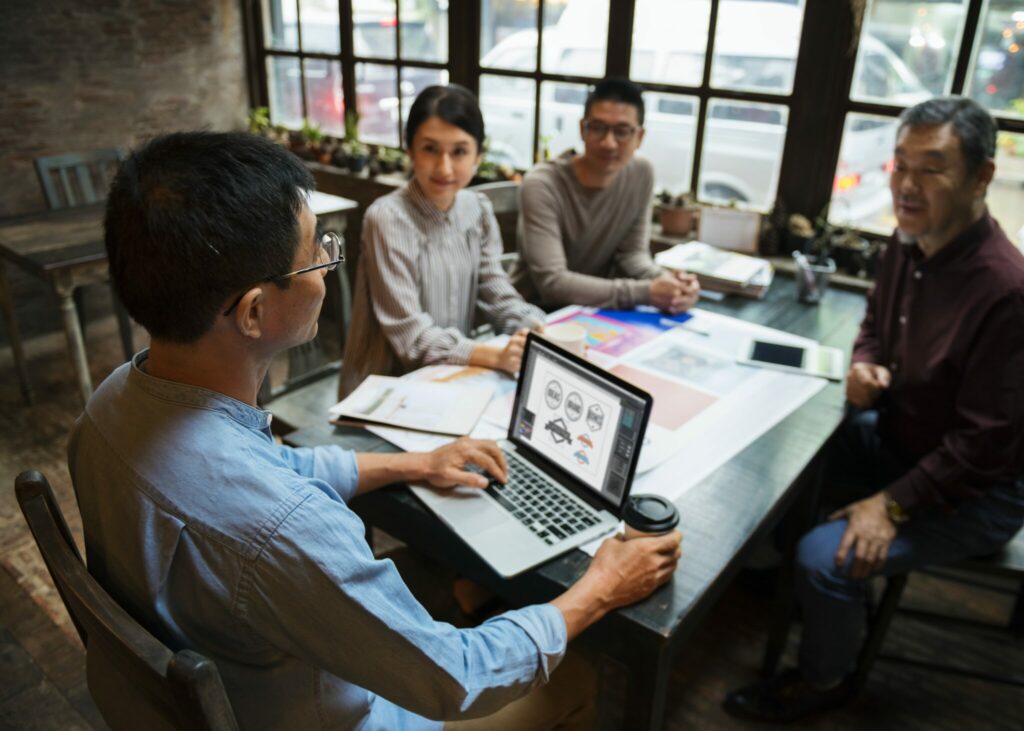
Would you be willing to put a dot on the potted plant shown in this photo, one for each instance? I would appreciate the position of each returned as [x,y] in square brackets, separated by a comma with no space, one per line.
[356,153]
[678,213]
[259,121]
[392,160]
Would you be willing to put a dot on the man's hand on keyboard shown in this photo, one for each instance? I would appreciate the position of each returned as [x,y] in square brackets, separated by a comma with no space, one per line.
[621,573]
[447,466]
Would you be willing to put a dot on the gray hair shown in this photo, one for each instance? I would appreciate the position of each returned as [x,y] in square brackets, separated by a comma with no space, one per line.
[973,125]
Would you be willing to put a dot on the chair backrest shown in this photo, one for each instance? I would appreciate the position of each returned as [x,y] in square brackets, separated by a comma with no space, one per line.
[504,197]
[77,178]
[135,680]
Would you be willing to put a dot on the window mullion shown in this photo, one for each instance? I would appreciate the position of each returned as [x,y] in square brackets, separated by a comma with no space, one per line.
[967,40]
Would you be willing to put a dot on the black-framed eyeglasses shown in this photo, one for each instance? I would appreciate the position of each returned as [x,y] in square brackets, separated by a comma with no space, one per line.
[596,130]
[329,254]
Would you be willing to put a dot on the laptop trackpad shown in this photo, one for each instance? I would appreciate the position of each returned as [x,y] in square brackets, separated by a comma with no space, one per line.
[470,508]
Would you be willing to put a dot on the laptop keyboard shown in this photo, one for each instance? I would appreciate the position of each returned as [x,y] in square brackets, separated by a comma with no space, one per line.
[539,505]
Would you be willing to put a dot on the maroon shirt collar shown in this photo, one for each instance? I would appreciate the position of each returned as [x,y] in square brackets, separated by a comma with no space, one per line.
[961,245]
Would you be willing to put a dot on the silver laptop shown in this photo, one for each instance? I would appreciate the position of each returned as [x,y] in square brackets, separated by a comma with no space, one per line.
[572,449]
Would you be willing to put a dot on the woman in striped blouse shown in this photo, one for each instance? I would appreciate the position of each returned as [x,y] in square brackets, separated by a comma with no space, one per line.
[430,257]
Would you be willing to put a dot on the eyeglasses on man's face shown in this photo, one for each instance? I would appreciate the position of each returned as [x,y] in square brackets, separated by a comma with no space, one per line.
[595,130]
[328,255]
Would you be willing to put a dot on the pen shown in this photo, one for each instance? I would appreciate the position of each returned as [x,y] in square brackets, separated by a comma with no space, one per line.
[695,330]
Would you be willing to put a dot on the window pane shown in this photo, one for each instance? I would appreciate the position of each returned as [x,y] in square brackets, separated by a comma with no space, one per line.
[742,152]
[377,102]
[561,109]
[860,190]
[283,79]
[320,26]
[997,71]
[756,45]
[415,80]
[670,41]
[907,51]
[671,130]
[280,28]
[374,28]
[424,30]
[575,37]
[508,109]
[1006,191]
[508,35]
[323,95]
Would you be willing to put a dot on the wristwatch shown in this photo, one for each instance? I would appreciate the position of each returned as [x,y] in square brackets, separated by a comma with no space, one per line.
[895,512]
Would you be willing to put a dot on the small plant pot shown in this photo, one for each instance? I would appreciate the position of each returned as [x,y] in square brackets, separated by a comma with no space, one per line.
[676,220]
[357,163]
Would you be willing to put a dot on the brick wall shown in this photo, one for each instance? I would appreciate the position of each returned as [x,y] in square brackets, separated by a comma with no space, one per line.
[77,75]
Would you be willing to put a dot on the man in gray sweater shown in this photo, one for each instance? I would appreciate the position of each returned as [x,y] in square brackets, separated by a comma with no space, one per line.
[585,220]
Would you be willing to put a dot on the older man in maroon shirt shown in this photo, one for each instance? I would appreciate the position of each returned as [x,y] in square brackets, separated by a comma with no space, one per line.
[930,463]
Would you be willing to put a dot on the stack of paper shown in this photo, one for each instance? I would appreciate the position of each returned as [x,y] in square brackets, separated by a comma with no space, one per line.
[718,270]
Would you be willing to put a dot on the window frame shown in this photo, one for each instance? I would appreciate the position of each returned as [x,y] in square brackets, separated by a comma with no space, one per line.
[818,103]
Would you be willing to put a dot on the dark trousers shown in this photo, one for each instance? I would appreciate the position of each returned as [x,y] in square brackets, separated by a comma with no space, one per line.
[832,603]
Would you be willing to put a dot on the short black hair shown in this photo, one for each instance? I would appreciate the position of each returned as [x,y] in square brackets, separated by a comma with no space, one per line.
[194,217]
[617,90]
[452,103]
[972,124]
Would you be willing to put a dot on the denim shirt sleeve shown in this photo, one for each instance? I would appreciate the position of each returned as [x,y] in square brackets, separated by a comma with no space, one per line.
[332,464]
[317,592]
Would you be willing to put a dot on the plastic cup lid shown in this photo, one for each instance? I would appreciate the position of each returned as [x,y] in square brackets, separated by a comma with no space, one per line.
[651,514]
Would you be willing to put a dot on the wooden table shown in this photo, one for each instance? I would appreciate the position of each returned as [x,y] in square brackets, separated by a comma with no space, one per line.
[721,518]
[65,249]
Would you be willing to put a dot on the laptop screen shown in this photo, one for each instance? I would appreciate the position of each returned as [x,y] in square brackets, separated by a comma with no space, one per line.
[579,418]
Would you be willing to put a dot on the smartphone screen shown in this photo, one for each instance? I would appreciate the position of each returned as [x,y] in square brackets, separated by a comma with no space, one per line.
[784,355]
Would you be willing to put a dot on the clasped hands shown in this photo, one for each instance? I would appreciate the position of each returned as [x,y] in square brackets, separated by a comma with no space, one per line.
[674,292]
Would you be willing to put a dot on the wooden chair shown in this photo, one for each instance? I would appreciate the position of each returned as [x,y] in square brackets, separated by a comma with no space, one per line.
[78,179]
[135,680]
[1007,563]
[504,198]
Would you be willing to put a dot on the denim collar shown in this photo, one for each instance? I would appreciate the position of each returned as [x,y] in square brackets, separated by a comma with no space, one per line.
[196,397]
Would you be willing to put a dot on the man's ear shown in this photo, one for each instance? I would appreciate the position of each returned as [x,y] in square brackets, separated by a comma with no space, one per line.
[251,311]
[984,176]
[582,137]
[640,136]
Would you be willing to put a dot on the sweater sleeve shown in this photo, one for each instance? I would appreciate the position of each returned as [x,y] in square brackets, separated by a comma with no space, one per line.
[633,257]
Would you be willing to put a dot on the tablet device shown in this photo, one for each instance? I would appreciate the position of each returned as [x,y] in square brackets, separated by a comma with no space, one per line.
[813,359]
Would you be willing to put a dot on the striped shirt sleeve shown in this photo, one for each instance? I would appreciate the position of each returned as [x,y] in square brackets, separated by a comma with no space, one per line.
[499,301]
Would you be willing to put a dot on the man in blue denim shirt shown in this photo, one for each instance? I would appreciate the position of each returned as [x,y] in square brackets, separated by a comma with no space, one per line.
[218,539]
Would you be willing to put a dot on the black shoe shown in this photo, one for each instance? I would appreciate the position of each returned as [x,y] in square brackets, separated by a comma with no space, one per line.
[785,697]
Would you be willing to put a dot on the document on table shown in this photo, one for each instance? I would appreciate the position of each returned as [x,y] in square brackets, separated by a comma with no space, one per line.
[439,408]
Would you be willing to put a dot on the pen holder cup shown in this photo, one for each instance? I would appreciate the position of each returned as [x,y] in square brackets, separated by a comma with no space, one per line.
[812,279]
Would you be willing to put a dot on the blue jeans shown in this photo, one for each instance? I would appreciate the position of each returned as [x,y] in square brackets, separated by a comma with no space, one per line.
[833,604]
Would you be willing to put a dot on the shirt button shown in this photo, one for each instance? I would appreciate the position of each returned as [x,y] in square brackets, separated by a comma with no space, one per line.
[894,366]
[903,319]
[917,274]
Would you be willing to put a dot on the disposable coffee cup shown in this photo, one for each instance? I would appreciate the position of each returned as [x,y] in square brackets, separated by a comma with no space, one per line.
[567,335]
[649,515]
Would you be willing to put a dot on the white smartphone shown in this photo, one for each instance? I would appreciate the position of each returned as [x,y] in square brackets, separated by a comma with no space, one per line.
[814,360]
